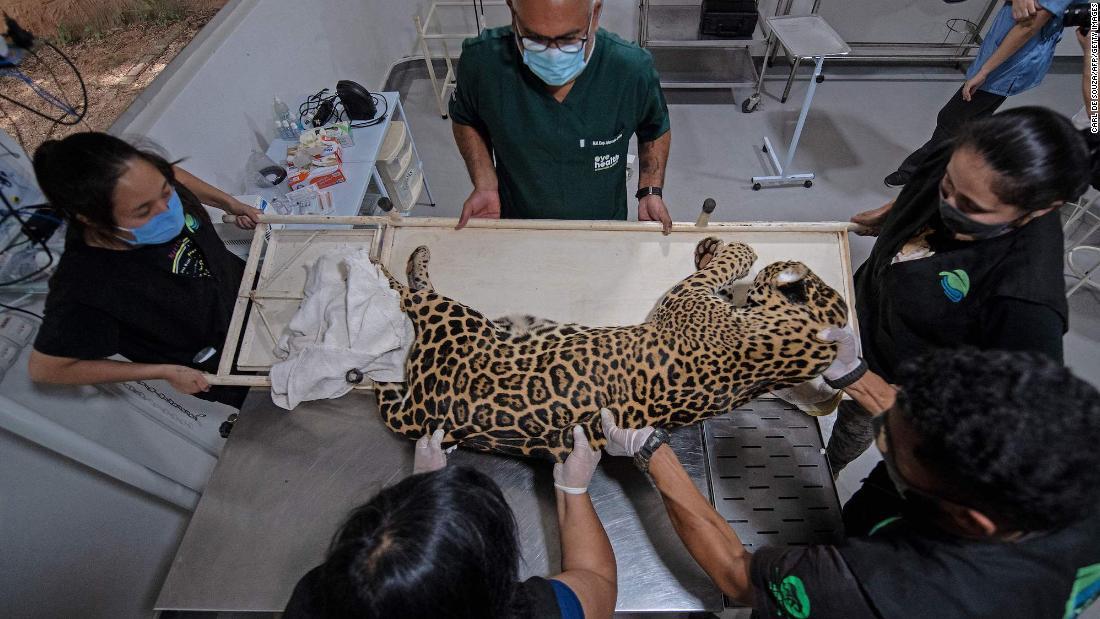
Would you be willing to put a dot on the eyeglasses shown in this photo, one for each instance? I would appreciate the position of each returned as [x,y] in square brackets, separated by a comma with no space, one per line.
[569,45]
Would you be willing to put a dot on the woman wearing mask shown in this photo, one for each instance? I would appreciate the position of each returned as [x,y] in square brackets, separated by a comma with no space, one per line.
[970,254]
[143,274]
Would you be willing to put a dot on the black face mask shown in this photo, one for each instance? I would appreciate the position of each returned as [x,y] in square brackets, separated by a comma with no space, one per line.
[961,224]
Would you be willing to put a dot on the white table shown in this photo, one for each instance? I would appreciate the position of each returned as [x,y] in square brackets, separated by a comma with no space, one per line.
[359,162]
[804,36]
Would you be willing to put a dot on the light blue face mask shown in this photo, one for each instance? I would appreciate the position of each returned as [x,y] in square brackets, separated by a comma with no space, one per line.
[554,66]
[162,228]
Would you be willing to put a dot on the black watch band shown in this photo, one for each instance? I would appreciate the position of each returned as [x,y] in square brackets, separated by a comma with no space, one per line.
[647,191]
[848,378]
[655,440]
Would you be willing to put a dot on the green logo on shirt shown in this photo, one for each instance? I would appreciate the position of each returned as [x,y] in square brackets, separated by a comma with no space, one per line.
[1086,589]
[790,594]
[191,222]
[955,284]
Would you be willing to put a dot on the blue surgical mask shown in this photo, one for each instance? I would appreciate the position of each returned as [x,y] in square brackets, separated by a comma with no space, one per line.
[163,227]
[554,66]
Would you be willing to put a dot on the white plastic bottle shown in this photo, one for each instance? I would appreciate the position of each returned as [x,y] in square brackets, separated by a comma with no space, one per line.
[282,114]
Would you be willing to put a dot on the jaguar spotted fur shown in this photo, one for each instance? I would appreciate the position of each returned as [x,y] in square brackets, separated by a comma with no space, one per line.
[517,386]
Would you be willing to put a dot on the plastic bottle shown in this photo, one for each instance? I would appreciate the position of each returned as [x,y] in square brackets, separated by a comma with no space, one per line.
[282,119]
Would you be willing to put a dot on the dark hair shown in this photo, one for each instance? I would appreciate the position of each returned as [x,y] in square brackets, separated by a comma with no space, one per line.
[78,175]
[440,540]
[1039,157]
[1012,434]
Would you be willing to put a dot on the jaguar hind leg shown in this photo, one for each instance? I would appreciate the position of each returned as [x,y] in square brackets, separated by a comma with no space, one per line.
[391,399]
[416,269]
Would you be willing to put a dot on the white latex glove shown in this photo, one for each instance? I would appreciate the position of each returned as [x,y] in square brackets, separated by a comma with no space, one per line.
[621,442]
[574,475]
[847,353]
[429,455]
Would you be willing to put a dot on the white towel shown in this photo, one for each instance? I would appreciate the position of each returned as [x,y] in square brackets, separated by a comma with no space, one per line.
[349,318]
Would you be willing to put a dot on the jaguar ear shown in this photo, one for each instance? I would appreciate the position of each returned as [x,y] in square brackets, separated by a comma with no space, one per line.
[791,283]
[795,272]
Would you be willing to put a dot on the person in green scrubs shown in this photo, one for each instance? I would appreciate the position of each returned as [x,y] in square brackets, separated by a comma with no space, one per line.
[554,100]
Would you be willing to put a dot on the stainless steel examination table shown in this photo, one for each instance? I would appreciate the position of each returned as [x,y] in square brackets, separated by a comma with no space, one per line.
[286,479]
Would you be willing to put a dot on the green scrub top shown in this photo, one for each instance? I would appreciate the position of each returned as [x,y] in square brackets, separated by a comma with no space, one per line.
[559,160]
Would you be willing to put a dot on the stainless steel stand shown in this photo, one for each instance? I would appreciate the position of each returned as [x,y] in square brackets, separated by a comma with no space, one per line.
[807,36]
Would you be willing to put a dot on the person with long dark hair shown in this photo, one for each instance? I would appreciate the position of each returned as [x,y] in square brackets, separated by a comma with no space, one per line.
[143,275]
[444,543]
[970,254]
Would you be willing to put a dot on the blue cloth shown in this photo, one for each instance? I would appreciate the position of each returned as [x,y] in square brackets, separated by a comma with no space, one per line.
[1029,65]
[568,602]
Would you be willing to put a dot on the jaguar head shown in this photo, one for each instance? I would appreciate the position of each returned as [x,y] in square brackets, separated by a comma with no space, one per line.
[793,286]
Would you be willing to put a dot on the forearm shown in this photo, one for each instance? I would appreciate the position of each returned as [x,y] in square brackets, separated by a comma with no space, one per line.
[63,371]
[652,158]
[205,192]
[872,392]
[707,536]
[584,543]
[474,148]
[1015,39]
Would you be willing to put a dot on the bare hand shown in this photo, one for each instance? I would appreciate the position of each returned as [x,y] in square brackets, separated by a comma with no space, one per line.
[652,208]
[482,204]
[972,85]
[870,222]
[184,379]
[247,217]
[1023,9]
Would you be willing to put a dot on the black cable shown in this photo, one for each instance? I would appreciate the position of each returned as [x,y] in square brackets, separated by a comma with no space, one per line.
[316,100]
[22,226]
[377,119]
[21,310]
[83,91]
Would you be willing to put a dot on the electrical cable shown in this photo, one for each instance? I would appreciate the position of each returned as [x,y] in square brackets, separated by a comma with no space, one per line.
[22,226]
[68,110]
[12,308]
[314,102]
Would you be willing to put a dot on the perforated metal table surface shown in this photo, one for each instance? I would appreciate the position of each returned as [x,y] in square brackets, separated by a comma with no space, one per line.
[769,476]
[286,479]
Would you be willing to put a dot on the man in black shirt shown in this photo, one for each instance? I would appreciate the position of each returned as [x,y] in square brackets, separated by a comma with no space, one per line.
[988,507]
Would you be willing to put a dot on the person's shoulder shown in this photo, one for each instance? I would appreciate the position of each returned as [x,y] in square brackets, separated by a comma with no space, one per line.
[623,54]
[491,41]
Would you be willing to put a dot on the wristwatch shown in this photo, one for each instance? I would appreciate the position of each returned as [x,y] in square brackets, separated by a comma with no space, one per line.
[647,191]
[655,440]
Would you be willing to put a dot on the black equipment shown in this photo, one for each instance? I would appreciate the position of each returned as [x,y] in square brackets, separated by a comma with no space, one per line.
[358,102]
[1077,16]
[728,19]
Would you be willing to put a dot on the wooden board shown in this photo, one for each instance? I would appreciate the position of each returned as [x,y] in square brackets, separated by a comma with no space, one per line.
[593,277]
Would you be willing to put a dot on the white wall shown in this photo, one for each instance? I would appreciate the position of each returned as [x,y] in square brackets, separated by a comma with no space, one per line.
[213,103]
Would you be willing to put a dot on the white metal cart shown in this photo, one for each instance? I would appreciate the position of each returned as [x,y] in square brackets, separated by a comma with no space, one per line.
[808,36]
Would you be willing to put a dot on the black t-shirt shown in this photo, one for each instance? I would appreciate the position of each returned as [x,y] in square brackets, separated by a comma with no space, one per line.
[1002,293]
[896,570]
[151,304]
[535,599]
